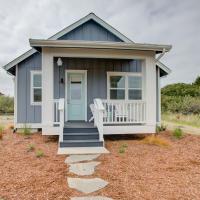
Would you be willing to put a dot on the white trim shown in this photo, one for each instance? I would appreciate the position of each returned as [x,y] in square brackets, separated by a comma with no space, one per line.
[29,125]
[98,45]
[66,30]
[125,74]
[129,129]
[19,59]
[159,96]
[15,95]
[163,67]
[84,72]
[34,72]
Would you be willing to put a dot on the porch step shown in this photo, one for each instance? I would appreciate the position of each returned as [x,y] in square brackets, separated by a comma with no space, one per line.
[81,143]
[80,130]
[81,136]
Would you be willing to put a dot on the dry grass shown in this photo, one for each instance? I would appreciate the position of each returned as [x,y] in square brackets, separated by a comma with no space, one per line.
[180,119]
[156,140]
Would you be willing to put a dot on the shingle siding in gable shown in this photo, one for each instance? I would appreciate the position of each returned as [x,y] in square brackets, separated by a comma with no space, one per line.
[26,113]
[90,31]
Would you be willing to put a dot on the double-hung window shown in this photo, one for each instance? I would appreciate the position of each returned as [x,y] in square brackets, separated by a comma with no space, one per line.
[124,86]
[36,87]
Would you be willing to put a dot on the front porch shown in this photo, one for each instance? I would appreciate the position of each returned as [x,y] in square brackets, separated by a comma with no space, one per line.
[122,92]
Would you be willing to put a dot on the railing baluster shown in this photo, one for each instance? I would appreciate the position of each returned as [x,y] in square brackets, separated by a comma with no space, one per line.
[124,112]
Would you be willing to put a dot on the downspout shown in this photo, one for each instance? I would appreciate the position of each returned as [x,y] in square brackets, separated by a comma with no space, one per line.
[161,55]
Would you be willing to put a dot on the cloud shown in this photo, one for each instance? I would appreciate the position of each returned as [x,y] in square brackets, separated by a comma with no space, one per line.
[174,22]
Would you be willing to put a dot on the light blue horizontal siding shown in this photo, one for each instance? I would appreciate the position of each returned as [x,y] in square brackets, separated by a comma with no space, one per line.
[96,75]
[90,31]
[26,113]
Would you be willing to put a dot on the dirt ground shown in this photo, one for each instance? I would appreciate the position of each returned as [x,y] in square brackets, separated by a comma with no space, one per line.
[142,171]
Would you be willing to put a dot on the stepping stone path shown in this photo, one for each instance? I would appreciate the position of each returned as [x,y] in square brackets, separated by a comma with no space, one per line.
[83,169]
[91,198]
[86,185]
[80,158]
[80,166]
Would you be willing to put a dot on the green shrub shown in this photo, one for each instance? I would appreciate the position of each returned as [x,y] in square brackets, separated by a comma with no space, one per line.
[122,148]
[160,128]
[178,104]
[39,153]
[26,131]
[181,89]
[31,147]
[177,133]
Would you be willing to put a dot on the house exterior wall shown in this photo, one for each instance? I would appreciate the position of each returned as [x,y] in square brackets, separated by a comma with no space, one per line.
[96,75]
[27,113]
[90,31]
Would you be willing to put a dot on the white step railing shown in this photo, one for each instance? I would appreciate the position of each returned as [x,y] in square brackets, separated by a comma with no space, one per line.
[124,112]
[98,116]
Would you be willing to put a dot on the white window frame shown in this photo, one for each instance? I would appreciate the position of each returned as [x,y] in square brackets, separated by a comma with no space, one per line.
[126,75]
[34,72]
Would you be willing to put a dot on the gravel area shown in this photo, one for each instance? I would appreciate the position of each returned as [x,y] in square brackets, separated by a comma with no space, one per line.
[141,171]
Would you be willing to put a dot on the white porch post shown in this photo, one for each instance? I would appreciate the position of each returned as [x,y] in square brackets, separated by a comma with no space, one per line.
[47,89]
[150,91]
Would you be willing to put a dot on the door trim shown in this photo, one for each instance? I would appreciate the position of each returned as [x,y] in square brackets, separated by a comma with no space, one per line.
[84,72]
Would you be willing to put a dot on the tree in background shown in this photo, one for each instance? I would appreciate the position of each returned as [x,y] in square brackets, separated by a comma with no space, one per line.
[197,81]
[6,104]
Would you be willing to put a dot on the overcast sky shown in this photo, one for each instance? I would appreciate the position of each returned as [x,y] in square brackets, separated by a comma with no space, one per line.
[175,22]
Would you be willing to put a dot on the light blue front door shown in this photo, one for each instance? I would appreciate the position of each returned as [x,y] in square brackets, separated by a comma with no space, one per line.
[76,96]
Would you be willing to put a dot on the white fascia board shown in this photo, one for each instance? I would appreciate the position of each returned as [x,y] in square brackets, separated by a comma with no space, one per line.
[66,30]
[163,67]
[19,59]
[97,45]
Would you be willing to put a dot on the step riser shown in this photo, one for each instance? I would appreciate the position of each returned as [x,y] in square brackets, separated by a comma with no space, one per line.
[80,137]
[80,130]
[81,144]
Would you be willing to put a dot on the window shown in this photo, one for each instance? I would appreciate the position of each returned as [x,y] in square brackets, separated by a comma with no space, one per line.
[117,87]
[134,87]
[124,86]
[36,87]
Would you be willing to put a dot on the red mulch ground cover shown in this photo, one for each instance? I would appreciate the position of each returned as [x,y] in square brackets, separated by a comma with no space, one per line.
[142,172]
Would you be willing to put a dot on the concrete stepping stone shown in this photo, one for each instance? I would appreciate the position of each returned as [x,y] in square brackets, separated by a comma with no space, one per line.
[79,158]
[83,169]
[91,198]
[86,185]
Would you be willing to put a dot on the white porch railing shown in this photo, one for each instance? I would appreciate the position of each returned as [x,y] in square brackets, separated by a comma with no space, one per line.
[124,112]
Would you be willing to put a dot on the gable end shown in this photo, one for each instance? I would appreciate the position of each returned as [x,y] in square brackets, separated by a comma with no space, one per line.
[90,31]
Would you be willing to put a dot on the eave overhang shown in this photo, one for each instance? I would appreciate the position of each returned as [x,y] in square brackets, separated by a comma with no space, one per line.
[39,43]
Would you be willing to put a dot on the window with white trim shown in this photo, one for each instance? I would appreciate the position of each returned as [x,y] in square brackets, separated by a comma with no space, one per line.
[36,87]
[124,86]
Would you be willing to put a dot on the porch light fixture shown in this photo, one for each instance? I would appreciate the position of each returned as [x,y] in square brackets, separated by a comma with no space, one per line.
[59,62]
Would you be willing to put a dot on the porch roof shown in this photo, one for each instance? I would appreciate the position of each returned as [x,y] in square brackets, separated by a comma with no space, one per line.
[157,48]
